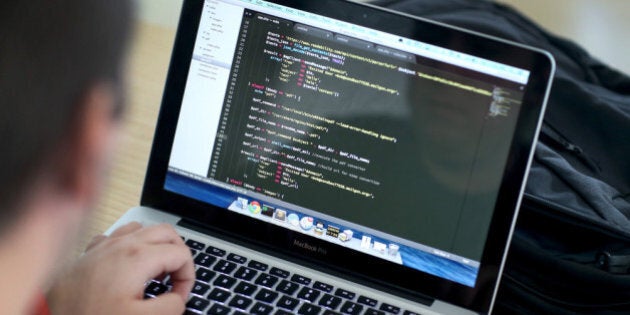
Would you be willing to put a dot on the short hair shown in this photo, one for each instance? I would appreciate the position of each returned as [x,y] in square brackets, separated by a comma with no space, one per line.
[51,54]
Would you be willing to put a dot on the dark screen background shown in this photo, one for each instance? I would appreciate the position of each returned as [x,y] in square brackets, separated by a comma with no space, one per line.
[342,129]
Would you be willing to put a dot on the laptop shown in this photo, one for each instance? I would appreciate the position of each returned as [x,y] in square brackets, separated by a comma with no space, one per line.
[331,157]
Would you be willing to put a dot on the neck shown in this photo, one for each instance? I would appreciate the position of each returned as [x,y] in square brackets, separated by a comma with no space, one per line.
[28,256]
[20,256]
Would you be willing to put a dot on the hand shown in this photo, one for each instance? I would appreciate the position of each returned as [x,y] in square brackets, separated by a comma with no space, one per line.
[111,276]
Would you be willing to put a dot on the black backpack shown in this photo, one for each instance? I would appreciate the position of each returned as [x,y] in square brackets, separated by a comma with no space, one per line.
[570,253]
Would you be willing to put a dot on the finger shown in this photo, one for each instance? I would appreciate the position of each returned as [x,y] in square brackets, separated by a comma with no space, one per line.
[126,229]
[167,304]
[183,278]
[97,239]
[158,234]
[183,274]
[155,260]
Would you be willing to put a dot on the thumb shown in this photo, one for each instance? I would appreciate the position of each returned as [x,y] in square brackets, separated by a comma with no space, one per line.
[165,304]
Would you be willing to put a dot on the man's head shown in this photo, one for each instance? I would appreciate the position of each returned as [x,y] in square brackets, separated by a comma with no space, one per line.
[60,69]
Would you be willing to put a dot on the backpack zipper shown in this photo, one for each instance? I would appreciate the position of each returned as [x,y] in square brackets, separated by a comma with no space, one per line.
[549,134]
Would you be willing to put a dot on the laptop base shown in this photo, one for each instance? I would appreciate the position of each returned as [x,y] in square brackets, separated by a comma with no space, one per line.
[360,294]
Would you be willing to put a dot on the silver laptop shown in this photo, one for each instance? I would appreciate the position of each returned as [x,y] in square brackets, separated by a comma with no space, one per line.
[330,157]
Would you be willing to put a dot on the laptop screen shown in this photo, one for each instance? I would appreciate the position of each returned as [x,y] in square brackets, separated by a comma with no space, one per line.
[385,145]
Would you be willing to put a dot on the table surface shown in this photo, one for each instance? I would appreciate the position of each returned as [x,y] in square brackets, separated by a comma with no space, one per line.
[147,66]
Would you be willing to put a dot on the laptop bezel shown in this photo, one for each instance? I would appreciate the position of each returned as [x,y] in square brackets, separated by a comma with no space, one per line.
[370,269]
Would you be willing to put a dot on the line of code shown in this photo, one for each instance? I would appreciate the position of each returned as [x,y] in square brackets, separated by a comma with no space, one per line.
[362,136]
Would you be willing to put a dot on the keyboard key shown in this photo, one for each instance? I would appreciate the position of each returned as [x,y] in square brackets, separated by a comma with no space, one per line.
[154,289]
[198,304]
[288,303]
[193,252]
[329,312]
[224,281]
[218,309]
[266,280]
[200,288]
[219,295]
[204,260]
[195,245]
[239,313]
[390,308]
[371,311]
[205,275]
[168,281]
[351,308]
[281,312]
[308,294]
[410,313]
[266,296]
[257,265]
[245,273]
[279,272]
[240,302]
[236,258]
[323,286]
[215,251]
[367,301]
[224,266]
[245,288]
[301,279]
[309,309]
[345,294]
[287,287]
[330,301]
[261,309]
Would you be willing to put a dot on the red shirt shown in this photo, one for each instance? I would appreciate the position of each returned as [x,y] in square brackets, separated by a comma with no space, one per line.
[41,306]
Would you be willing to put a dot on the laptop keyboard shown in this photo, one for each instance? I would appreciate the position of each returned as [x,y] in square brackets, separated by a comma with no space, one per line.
[227,283]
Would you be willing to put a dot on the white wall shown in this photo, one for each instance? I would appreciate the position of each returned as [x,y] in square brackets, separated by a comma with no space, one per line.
[599,25]
[160,12]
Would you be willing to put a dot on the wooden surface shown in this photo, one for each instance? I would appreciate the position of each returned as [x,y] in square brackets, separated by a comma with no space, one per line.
[147,66]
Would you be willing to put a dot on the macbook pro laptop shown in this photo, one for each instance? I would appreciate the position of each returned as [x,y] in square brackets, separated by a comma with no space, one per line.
[330,157]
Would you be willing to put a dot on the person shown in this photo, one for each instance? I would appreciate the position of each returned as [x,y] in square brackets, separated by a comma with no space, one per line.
[61,99]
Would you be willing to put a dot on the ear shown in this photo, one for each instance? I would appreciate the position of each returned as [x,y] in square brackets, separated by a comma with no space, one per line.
[86,153]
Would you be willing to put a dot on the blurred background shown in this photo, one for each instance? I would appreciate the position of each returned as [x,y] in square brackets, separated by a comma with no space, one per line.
[601,26]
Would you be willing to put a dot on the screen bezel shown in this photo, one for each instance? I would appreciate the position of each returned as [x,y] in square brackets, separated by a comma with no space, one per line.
[396,278]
